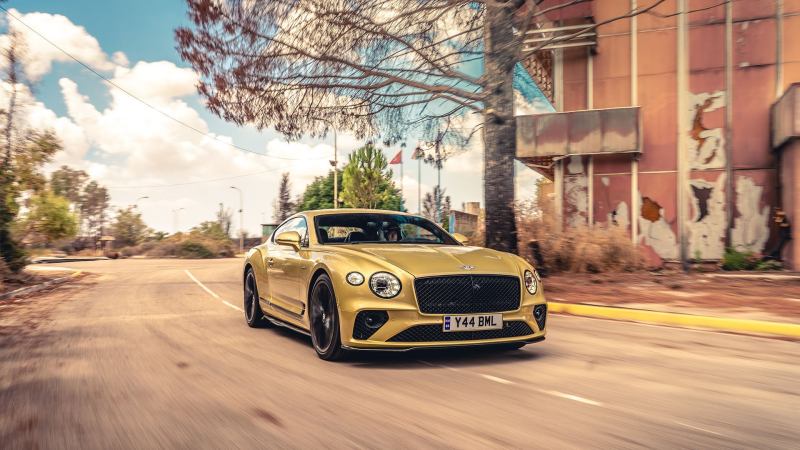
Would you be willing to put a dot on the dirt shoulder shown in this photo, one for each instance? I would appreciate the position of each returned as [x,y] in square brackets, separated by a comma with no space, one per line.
[754,295]
[27,278]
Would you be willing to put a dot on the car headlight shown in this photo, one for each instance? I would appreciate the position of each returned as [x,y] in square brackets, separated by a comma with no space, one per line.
[530,282]
[355,278]
[384,284]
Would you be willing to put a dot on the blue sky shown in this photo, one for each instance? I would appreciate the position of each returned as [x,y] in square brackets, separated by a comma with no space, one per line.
[135,151]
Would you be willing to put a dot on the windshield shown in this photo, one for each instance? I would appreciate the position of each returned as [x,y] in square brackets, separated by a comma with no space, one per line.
[352,228]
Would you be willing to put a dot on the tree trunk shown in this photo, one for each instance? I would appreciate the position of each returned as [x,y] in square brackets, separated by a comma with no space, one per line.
[499,128]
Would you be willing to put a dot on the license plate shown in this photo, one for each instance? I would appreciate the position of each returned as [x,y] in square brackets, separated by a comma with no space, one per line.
[473,322]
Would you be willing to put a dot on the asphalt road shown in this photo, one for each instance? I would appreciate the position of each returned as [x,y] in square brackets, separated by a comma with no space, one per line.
[143,356]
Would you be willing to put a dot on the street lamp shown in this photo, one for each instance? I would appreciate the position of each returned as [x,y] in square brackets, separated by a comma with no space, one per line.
[335,162]
[136,203]
[241,219]
[175,222]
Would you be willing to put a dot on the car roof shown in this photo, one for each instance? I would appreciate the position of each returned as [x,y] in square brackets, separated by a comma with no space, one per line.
[322,212]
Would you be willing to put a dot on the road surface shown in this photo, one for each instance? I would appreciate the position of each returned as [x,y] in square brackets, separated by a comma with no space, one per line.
[156,354]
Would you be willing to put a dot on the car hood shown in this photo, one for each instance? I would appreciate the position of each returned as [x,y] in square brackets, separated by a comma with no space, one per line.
[426,260]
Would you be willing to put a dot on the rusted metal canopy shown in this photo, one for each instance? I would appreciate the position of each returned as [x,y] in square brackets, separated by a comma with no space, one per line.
[590,132]
[786,116]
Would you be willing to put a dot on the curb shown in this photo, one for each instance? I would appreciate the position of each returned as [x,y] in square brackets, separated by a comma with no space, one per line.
[667,318]
[67,259]
[39,287]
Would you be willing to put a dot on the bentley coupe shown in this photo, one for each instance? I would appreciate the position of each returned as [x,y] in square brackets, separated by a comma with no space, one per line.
[356,279]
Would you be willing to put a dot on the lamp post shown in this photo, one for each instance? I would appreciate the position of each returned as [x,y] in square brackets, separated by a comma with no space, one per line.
[175,222]
[241,219]
[136,203]
[334,162]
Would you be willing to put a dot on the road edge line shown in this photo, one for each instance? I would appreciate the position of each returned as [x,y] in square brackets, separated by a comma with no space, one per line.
[203,286]
[677,319]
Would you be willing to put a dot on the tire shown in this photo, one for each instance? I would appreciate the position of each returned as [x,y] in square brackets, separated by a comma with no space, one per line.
[252,309]
[323,318]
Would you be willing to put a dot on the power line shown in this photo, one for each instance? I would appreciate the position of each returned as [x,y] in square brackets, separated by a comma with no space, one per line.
[174,119]
[154,186]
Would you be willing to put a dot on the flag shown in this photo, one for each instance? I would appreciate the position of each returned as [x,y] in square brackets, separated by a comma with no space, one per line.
[418,153]
[398,158]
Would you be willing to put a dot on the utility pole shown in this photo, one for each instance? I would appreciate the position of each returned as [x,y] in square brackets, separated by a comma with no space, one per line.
[335,164]
[241,219]
[175,222]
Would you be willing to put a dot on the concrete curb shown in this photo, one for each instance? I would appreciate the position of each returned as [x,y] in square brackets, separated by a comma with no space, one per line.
[67,259]
[677,319]
[39,287]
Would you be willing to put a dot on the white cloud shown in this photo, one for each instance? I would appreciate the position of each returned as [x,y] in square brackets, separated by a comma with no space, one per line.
[157,80]
[39,56]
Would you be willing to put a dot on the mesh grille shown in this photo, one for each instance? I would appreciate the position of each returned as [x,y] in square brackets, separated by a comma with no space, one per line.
[434,333]
[467,294]
[540,314]
[360,328]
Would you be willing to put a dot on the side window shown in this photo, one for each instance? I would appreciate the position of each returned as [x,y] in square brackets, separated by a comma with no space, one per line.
[302,230]
[297,224]
[287,226]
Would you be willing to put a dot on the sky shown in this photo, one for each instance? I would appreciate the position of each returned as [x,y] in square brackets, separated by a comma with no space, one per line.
[140,151]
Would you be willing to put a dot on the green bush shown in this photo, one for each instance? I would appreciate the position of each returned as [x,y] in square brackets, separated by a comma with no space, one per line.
[194,249]
[736,260]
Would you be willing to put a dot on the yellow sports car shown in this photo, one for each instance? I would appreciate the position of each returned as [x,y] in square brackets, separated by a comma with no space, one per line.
[357,279]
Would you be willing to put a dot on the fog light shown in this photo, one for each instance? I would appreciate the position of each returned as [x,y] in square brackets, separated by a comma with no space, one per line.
[368,322]
[540,315]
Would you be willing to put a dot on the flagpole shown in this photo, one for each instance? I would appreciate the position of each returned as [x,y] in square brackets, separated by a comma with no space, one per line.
[419,185]
[401,174]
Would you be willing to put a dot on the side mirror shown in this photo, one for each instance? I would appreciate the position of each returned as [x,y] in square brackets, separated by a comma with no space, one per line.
[290,238]
[461,238]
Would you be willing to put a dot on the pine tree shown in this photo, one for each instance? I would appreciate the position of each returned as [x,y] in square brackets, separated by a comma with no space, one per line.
[284,206]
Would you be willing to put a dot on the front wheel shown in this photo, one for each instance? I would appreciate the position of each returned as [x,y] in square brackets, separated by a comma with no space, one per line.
[323,316]
[252,309]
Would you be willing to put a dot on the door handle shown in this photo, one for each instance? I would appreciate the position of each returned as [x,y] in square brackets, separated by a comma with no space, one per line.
[270,262]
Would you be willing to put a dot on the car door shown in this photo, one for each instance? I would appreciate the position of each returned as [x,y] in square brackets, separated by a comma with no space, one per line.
[287,269]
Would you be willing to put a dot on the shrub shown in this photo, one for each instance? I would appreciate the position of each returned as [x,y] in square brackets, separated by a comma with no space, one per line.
[194,249]
[736,260]
[601,248]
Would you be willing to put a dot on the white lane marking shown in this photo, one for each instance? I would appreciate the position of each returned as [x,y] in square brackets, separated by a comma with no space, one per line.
[698,428]
[500,380]
[212,293]
[232,306]
[496,379]
[571,397]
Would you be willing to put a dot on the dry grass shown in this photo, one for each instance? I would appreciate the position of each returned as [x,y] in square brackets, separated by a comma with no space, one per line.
[578,249]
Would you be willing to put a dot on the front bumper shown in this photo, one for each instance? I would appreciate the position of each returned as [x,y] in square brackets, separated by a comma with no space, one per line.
[405,317]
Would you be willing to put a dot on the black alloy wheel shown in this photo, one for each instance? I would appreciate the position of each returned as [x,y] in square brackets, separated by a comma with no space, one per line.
[252,309]
[324,320]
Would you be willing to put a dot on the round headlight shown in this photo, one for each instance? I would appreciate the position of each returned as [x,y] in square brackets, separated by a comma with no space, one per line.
[355,278]
[530,282]
[384,285]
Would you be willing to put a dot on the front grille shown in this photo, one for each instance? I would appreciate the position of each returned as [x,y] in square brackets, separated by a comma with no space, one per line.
[467,294]
[434,333]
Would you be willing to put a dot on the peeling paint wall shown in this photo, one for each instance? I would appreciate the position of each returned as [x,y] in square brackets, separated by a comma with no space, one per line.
[751,227]
[706,145]
[576,194]
[655,231]
[707,221]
